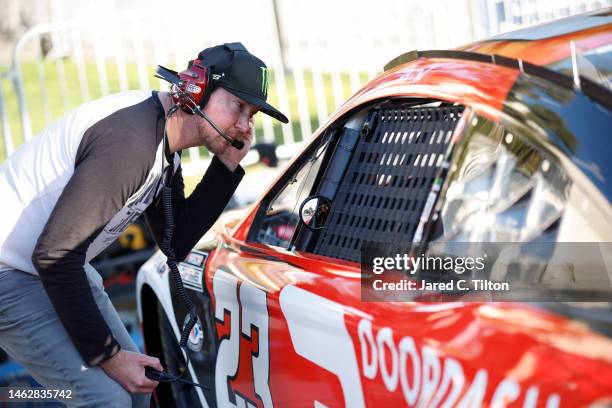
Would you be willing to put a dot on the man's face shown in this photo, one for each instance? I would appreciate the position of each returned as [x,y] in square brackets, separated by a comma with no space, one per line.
[230,113]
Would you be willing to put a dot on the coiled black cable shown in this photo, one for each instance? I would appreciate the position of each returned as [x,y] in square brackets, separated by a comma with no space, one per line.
[166,244]
[166,248]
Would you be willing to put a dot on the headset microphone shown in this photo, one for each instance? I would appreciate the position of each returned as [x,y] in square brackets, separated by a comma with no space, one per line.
[236,143]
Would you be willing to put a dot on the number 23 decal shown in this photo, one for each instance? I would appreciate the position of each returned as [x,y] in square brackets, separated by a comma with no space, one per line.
[254,315]
[305,314]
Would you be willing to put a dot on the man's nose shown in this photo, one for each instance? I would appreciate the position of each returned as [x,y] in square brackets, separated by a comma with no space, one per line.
[244,123]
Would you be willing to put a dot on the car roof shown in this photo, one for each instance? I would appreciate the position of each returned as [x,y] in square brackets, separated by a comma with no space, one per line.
[549,43]
[481,74]
[560,27]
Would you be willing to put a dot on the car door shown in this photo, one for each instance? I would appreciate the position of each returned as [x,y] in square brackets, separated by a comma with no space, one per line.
[271,304]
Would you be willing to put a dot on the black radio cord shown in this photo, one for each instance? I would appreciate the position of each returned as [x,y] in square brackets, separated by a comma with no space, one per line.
[166,248]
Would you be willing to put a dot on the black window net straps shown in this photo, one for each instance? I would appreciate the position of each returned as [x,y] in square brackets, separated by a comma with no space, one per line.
[389,178]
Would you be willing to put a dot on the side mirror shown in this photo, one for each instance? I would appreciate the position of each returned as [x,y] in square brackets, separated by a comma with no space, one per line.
[314,211]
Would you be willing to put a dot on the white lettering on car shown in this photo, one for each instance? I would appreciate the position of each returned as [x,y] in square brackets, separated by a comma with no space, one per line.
[425,381]
[224,289]
[475,394]
[431,375]
[453,373]
[364,331]
[390,375]
[254,316]
[506,392]
[408,349]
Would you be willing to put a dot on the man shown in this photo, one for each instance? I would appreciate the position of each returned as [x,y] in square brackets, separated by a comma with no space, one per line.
[69,192]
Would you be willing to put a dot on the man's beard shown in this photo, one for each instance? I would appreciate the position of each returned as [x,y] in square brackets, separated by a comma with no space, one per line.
[203,128]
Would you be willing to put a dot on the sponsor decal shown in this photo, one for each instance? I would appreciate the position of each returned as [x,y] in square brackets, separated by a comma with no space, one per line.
[265,74]
[415,75]
[196,258]
[157,263]
[192,88]
[196,336]
[161,266]
[427,378]
[191,275]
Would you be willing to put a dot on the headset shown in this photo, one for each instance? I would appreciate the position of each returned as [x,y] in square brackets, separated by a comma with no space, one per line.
[191,90]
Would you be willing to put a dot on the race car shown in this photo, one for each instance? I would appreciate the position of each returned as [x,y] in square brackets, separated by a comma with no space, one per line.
[505,140]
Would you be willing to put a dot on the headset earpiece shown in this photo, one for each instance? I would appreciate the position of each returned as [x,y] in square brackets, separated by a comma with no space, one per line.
[192,86]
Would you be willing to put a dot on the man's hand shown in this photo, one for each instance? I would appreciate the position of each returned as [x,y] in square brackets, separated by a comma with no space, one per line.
[229,155]
[127,368]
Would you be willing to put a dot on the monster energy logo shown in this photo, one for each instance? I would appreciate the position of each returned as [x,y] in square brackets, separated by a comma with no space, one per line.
[264,80]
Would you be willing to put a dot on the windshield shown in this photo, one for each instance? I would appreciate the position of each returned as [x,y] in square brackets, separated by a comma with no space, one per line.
[281,217]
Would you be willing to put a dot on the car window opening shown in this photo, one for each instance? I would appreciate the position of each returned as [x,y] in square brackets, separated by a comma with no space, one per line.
[398,155]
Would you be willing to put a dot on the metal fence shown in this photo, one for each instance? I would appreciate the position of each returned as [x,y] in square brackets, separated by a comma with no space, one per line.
[319,52]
